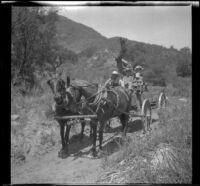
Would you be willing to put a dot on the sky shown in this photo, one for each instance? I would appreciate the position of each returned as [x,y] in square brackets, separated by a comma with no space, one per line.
[162,25]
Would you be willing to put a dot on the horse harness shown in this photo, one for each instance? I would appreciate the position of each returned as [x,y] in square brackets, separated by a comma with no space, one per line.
[101,99]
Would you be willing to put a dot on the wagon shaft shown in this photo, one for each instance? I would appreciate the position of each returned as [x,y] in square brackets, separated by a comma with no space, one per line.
[76,117]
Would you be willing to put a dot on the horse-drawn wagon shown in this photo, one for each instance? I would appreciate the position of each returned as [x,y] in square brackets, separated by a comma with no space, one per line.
[99,105]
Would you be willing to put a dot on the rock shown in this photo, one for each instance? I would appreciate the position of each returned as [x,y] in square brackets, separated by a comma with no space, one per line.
[14,117]
[14,123]
[183,99]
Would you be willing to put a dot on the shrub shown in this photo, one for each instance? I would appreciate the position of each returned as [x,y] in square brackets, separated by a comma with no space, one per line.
[183,69]
[155,77]
[183,87]
[88,52]
[184,66]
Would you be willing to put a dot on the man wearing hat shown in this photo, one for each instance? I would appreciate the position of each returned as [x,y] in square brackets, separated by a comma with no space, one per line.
[114,80]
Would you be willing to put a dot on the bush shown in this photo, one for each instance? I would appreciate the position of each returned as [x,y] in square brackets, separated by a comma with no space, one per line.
[184,66]
[155,77]
[183,87]
[88,52]
[183,69]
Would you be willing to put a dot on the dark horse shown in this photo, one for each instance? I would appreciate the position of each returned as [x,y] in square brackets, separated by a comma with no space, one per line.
[58,89]
[105,103]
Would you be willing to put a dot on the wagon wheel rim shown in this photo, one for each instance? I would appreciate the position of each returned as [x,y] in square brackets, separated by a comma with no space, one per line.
[162,100]
[146,113]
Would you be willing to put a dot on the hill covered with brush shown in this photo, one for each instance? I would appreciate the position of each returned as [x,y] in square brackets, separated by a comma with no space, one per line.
[99,52]
[43,42]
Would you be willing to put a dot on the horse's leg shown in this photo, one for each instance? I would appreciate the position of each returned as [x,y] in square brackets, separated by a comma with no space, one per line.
[91,130]
[124,121]
[62,130]
[94,127]
[65,152]
[101,135]
[121,117]
[82,129]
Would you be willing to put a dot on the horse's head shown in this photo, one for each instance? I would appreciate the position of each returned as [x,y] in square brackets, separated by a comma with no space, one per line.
[76,90]
[58,89]
[73,95]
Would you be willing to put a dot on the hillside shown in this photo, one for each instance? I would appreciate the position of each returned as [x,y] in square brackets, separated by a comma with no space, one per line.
[99,52]
[76,36]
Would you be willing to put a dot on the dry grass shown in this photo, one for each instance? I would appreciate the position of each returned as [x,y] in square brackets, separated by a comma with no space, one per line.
[161,156]
[181,87]
[33,133]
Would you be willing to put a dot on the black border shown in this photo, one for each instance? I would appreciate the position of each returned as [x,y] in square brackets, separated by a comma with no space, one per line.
[6,91]
[195,96]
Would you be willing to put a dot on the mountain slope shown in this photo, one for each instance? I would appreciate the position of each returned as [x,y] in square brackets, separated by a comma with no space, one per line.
[76,36]
[99,52]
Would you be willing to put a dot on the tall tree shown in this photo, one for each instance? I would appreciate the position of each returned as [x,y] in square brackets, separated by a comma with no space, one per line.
[33,41]
[119,60]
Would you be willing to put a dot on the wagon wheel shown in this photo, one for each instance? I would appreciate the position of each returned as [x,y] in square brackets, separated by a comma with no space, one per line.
[162,100]
[146,115]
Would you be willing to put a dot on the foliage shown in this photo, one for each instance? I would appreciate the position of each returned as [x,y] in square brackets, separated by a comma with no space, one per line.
[184,68]
[135,54]
[33,43]
[88,52]
[155,76]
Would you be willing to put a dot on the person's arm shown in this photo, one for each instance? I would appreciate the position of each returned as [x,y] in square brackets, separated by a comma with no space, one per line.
[121,82]
[107,83]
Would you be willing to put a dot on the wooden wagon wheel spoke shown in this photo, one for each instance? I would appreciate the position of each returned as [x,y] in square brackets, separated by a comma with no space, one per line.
[146,115]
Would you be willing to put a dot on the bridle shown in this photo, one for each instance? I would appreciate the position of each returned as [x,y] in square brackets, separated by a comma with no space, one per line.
[60,87]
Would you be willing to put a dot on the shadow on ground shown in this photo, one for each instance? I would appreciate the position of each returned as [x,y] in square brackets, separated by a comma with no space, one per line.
[75,144]
[133,126]
[110,145]
[114,144]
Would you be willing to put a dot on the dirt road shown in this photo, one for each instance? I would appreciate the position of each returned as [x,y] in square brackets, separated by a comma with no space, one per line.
[78,167]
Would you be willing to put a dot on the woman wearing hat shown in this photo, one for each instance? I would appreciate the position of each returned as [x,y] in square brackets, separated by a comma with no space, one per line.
[138,74]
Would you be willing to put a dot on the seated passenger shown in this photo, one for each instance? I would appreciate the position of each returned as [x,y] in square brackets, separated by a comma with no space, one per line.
[114,80]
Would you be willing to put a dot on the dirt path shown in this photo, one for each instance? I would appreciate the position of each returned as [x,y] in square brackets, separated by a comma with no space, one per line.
[77,168]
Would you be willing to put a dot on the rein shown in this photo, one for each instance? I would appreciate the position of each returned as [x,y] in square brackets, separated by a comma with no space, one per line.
[102,96]
[100,100]
[86,99]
